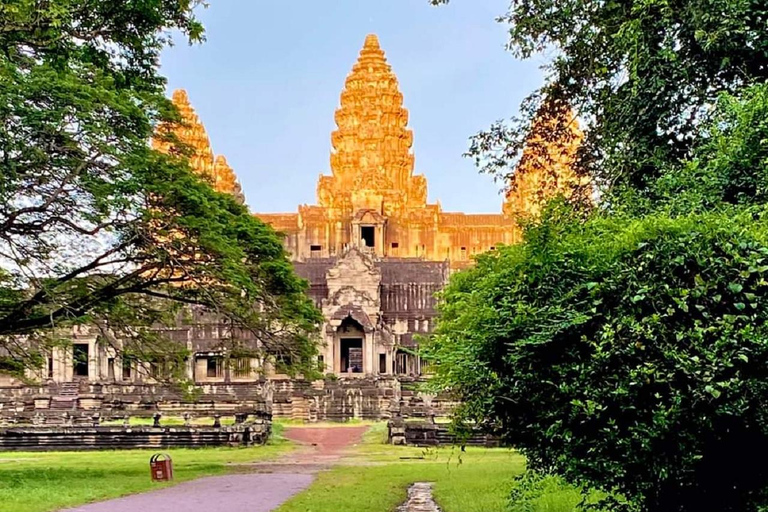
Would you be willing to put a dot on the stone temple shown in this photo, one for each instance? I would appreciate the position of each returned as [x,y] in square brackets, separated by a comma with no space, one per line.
[373,249]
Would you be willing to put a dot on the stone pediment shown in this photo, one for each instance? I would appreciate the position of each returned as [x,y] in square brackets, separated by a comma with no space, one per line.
[351,295]
[356,313]
[354,269]
[368,217]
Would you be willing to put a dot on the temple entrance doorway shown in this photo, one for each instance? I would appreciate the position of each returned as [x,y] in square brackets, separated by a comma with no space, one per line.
[80,360]
[351,355]
[368,234]
[350,341]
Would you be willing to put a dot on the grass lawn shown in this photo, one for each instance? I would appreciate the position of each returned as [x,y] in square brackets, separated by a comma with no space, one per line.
[376,478]
[46,481]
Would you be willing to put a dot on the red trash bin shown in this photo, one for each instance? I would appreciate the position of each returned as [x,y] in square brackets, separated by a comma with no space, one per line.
[161,467]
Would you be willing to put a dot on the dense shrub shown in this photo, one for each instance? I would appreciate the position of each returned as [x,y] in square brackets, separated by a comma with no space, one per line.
[628,355]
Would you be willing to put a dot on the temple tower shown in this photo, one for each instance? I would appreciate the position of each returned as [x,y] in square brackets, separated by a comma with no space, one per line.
[371,160]
[546,168]
[191,133]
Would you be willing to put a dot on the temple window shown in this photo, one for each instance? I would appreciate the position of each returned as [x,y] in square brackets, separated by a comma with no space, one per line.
[463,253]
[395,245]
[368,234]
[127,370]
[382,363]
[214,368]
[242,367]
[314,250]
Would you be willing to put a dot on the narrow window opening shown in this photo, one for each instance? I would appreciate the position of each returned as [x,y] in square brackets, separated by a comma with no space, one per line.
[126,368]
[382,363]
[242,367]
[213,367]
[316,248]
[395,245]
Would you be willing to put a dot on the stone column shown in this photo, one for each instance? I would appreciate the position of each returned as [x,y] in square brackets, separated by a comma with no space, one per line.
[369,346]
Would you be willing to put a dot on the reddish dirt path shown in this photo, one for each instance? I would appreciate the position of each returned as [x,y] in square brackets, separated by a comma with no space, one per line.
[320,448]
[326,440]
[264,488]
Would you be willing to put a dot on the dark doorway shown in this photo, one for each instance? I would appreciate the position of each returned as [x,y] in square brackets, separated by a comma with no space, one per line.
[80,359]
[368,234]
[382,363]
[127,368]
[111,368]
[352,355]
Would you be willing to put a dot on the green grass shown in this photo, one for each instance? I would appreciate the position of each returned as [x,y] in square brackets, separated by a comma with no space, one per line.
[42,482]
[376,477]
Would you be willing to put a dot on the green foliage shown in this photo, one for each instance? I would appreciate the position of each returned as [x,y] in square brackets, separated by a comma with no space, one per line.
[627,355]
[730,165]
[642,75]
[96,227]
[534,492]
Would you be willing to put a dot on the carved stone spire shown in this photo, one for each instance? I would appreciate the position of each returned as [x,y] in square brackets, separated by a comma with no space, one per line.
[191,133]
[372,144]
[226,181]
[546,168]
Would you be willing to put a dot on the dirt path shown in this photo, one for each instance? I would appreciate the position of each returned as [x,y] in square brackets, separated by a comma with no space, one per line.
[262,488]
[321,447]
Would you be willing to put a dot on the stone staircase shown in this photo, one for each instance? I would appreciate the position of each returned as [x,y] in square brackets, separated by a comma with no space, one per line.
[67,397]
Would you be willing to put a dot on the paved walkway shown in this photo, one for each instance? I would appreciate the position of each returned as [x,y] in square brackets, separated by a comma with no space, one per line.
[265,486]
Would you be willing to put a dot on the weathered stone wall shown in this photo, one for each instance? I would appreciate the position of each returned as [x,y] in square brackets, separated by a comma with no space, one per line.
[48,404]
[95,438]
[365,398]
[428,433]
[371,398]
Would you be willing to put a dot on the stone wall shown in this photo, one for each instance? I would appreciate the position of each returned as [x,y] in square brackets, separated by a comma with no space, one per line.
[95,438]
[48,404]
[365,398]
[428,433]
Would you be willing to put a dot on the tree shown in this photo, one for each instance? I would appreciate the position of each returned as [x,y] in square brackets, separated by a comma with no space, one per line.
[629,353]
[95,226]
[642,75]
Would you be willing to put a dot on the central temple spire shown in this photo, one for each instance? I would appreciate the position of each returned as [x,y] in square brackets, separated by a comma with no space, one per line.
[372,143]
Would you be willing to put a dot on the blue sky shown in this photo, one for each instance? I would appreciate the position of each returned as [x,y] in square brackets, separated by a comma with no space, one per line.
[267,82]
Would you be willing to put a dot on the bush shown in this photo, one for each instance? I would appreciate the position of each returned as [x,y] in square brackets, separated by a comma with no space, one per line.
[626,355]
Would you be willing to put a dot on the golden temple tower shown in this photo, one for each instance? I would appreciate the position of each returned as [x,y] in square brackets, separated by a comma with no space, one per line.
[546,168]
[372,199]
[191,133]
[371,160]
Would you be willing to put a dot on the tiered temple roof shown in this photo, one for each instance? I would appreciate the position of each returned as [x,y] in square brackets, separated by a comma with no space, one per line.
[191,133]
[372,181]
